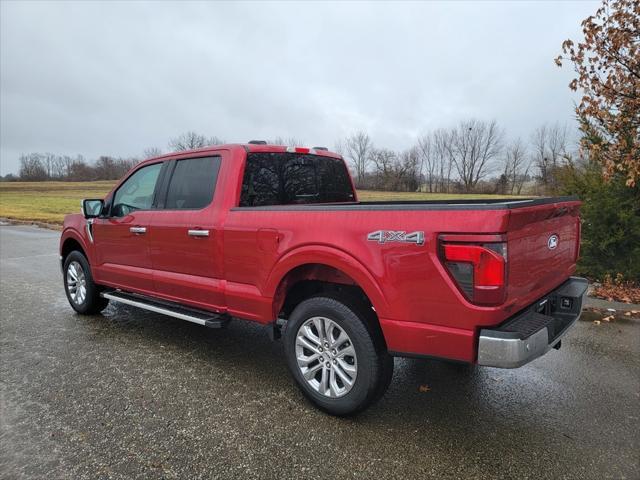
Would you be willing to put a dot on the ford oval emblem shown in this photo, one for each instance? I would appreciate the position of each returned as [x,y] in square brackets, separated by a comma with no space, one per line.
[552,242]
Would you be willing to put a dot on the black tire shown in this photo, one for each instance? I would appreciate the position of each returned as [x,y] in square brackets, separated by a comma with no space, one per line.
[374,364]
[92,302]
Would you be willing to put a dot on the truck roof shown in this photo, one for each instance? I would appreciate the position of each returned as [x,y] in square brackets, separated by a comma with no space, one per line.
[249,148]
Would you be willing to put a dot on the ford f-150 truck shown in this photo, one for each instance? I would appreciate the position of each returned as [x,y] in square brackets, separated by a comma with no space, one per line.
[276,235]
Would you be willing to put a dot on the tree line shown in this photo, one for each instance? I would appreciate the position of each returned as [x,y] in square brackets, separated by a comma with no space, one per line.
[37,167]
[472,156]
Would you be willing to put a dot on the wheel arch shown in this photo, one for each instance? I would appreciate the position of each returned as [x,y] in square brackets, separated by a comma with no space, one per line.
[70,241]
[327,266]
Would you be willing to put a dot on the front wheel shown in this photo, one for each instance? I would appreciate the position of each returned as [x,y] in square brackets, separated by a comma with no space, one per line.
[82,292]
[337,359]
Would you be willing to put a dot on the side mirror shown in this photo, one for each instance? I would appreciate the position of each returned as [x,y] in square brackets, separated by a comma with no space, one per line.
[92,208]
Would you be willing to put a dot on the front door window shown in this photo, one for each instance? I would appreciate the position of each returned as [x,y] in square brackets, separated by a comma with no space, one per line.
[136,193]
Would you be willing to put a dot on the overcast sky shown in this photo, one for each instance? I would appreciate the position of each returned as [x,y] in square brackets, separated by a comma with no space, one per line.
[112,78]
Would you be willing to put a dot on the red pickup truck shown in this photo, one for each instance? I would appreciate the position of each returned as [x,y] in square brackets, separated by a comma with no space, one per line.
[276,235]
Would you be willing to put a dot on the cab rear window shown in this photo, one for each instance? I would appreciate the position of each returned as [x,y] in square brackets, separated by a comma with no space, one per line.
[294,179]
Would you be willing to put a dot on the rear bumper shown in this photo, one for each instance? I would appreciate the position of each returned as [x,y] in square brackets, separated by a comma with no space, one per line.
[536,330]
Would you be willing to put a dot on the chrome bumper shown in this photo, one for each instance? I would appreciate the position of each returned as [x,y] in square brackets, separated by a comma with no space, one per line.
[536,330]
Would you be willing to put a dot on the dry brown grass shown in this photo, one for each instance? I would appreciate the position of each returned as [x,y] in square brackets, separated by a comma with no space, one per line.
[47,202]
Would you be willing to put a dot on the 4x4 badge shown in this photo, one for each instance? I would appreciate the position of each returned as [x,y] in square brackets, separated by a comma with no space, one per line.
[384,236]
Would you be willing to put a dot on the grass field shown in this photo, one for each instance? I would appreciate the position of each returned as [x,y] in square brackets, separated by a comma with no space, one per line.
[49,202]
[46,202]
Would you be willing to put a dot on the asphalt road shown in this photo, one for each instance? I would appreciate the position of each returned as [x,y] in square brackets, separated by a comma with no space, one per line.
[137,395]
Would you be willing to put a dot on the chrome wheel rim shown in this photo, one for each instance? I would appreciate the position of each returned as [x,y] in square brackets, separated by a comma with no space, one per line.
[76,283]
[326,357]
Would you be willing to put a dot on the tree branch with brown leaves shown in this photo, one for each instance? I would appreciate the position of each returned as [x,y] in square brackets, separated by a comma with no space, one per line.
[607,67]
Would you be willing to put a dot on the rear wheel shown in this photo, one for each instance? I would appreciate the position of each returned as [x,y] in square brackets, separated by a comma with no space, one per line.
[335,356]
[82,292]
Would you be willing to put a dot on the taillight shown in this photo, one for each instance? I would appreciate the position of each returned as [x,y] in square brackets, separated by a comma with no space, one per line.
[479,270]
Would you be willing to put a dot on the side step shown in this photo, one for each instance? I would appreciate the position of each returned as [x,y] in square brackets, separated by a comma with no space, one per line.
[201,317]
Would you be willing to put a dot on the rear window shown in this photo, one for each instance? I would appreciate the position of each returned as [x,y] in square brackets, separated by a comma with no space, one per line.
[294,179]
[192,183]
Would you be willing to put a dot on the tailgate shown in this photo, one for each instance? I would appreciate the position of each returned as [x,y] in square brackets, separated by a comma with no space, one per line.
[543,244]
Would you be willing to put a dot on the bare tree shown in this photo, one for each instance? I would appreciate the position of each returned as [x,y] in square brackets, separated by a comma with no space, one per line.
[59,167]
[288,141]
[539,142]
[383,160]
[125,164]
[32,168]
[549,147]
[65,166]
[408,171]
[435,156]
[428,160]
[443,156]
[192,140]
[475,144]
[358,148]
[49,164]
[395,171]
[516,165]
[105,168]
[151,152]
[79,170]
[338,147]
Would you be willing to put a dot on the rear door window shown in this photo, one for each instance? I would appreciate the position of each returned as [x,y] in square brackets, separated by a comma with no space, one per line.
[192,183]
[293,179]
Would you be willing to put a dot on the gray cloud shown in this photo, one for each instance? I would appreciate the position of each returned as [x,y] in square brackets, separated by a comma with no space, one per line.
[116,78]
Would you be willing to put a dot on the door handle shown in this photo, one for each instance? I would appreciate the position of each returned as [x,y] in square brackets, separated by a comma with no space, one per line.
[198,233]
[138,230]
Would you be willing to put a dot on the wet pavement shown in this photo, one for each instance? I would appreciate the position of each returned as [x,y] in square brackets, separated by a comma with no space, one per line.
[137,395]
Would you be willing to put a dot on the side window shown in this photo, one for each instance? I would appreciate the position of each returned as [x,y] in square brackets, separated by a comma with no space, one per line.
[136,193]
[192,184]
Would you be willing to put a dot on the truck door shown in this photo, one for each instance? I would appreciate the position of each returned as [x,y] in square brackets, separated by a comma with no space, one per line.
[121,239]
[185,243]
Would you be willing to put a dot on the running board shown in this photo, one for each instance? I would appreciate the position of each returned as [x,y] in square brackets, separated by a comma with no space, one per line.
[201,317]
